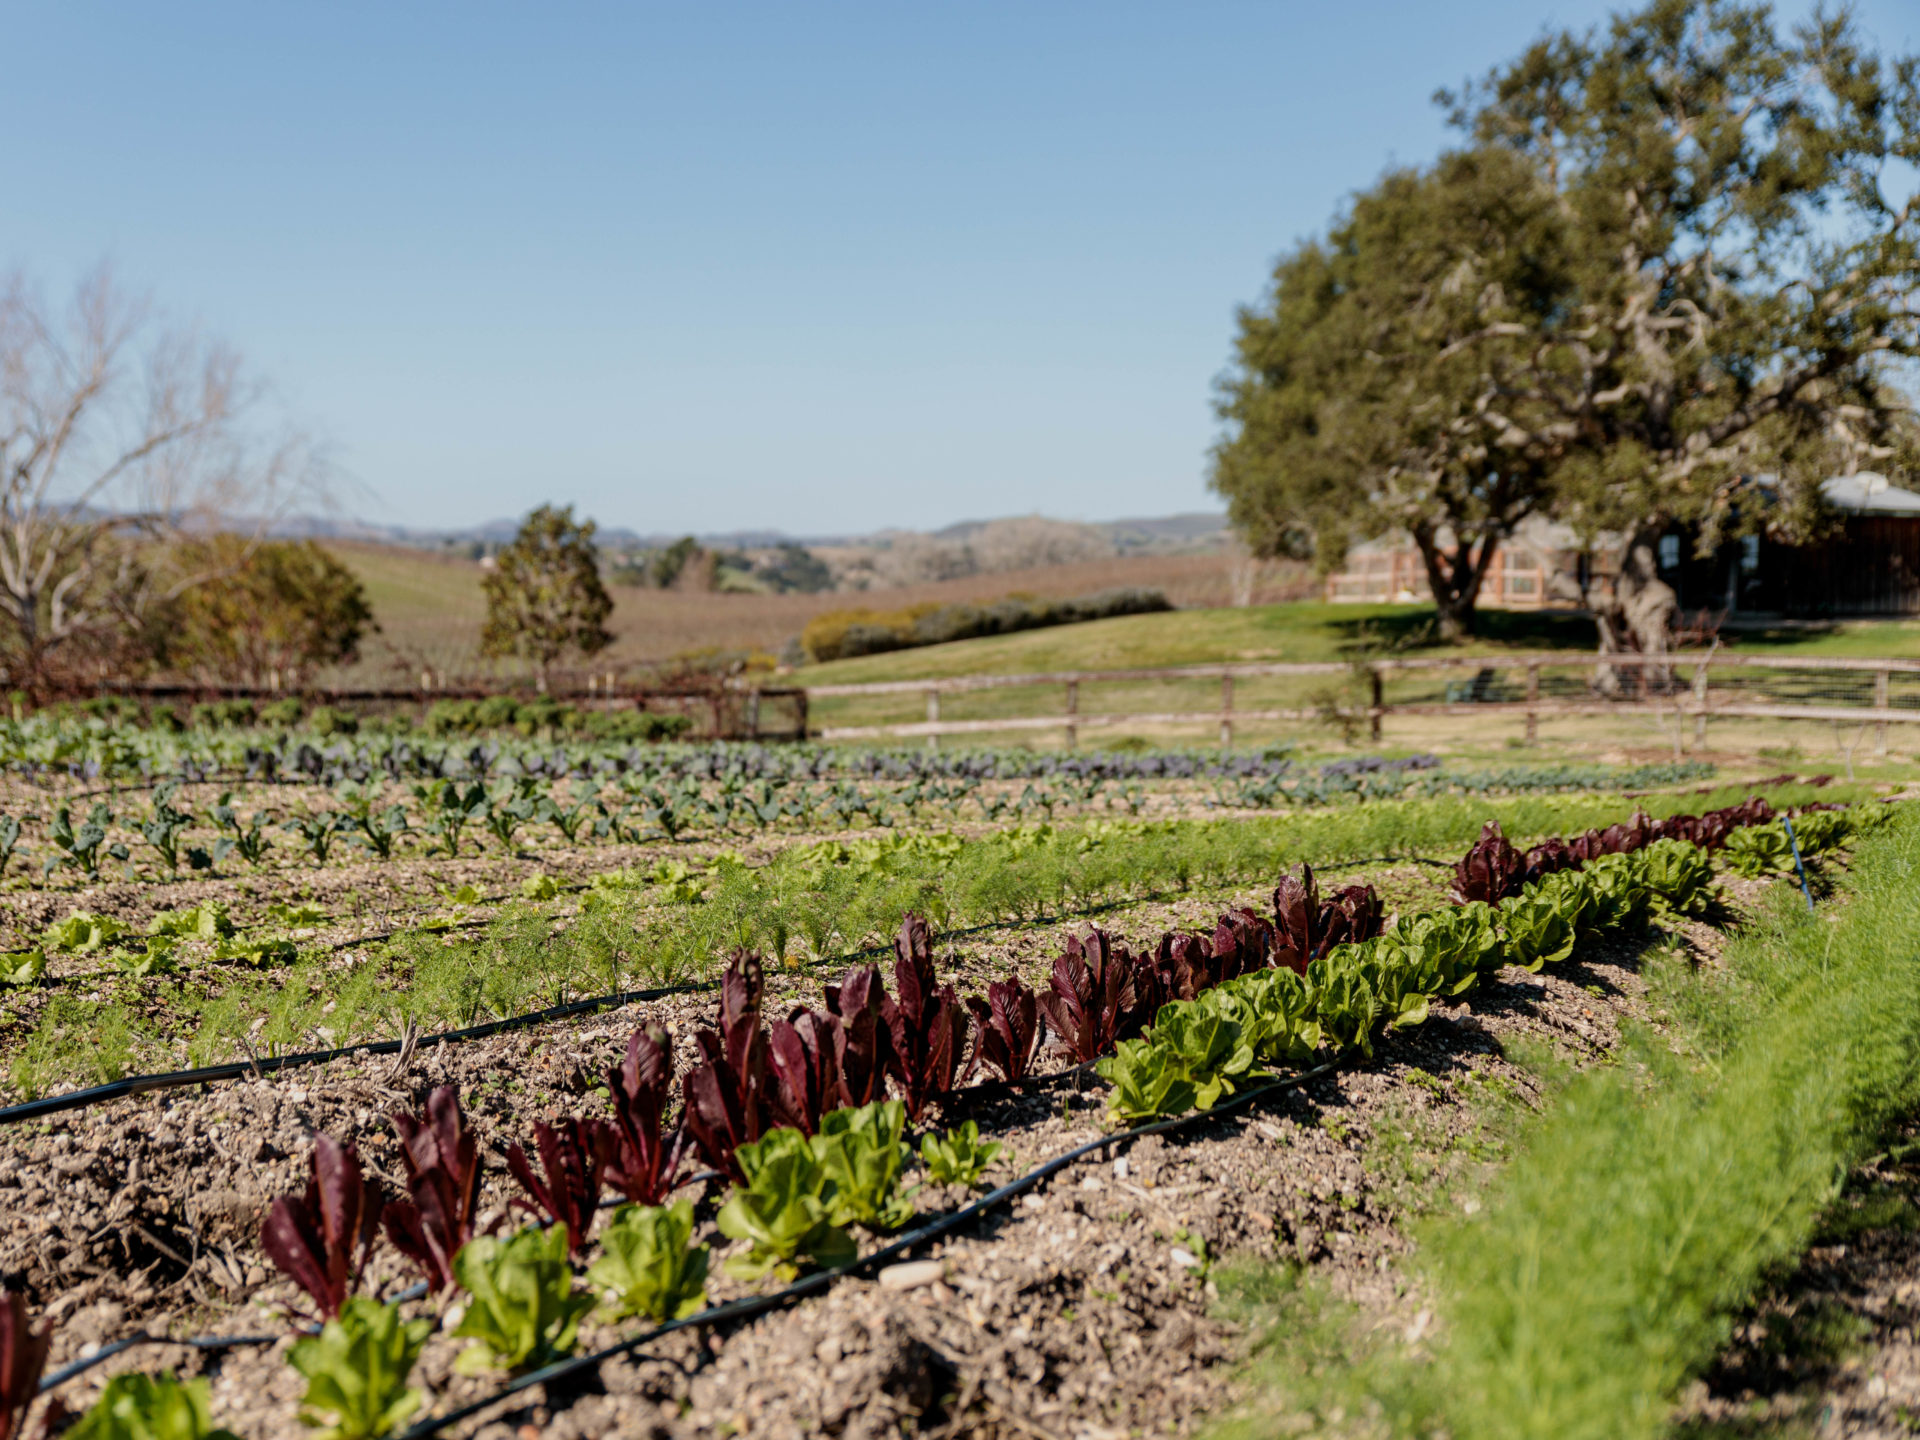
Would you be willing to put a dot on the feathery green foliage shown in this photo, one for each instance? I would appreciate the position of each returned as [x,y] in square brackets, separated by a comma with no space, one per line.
[1652,1198]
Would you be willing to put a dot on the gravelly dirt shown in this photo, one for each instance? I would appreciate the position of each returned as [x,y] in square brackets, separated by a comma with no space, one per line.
[1077,1312]
[1830,1350]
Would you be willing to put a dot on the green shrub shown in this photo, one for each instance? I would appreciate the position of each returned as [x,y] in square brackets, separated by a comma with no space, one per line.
[451,717]
[496,712]
[221,714]
[843,634]
[536,715]
[326,720]
[634,726]
[107,707]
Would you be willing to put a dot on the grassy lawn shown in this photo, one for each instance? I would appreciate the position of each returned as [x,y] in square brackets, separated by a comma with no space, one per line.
[1302,631]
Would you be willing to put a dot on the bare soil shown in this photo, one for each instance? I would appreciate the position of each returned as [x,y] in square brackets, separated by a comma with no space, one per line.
[1085,1309]
[1830,1349]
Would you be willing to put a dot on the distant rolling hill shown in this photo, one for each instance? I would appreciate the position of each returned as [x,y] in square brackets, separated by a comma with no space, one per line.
[429,606]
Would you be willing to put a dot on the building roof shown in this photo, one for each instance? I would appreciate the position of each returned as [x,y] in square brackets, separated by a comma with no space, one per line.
[1868,493]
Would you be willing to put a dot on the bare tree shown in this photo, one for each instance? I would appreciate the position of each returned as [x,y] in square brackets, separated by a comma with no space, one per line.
[117,432]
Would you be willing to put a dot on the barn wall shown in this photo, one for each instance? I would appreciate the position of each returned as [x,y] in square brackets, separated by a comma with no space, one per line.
[1871,568]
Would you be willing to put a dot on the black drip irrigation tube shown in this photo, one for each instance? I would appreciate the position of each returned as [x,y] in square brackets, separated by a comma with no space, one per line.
[267,1065]
[755,1305]
[419,1289]
[743,1309]
[197,1342]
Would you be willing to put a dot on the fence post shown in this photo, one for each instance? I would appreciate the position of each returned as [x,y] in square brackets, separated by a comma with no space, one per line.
[1882,700]
[1533,699]
[1226,710]
[1073,713]
[933,718]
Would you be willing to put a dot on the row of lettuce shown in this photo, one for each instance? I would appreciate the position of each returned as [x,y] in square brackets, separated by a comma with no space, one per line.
[670,923]
[377,817]
[796,1114]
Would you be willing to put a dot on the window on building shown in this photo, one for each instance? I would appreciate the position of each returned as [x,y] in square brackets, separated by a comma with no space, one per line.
[1750,553]
[1669,552]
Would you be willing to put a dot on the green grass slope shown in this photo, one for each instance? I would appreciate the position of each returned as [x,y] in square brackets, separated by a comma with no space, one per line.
[1303,631]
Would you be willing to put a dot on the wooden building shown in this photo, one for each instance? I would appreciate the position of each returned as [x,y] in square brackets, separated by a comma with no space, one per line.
[1869,566]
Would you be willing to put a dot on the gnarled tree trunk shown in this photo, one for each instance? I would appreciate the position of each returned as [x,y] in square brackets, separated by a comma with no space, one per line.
[1637,618]
[1454,576]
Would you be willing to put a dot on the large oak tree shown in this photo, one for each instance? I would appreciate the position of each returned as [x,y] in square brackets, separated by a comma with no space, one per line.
[1358,406]
[1729,250]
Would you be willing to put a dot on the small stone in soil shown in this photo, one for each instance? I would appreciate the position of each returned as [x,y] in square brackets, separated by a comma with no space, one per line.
[912,1275]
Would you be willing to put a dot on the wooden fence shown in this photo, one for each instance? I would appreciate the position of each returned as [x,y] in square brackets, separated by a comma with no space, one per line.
[1696,686]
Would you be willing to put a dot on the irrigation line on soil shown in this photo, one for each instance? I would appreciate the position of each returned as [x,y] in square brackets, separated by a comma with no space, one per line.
[241,1069]
[419,1289]
[754,1305]
[198,1342]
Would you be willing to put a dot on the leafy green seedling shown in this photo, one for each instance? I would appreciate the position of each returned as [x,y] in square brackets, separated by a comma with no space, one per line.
[23,967]
[648,1267]
[863,1152]
[164,825]
[247,838]
[524,1312]
[150,1407]
[297,917]
[80,846]
[357,1369]
[449,811]
[155,958]
[258,951]
[209,921]
[318,832]
[572,820]
[959,1157]
[1148,1080]
[785,1210]
[1756,850]
[379,829]
[82,933]
[506,814]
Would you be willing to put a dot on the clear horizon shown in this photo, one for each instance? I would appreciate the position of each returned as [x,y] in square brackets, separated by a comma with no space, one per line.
[824,271]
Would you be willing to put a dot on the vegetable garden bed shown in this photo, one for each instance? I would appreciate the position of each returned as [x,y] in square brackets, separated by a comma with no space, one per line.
[1082,1306]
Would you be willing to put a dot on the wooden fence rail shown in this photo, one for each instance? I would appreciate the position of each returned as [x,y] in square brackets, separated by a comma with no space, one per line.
[1673,687]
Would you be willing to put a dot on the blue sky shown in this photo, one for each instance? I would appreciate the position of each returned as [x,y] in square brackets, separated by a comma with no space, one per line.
[820,267]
